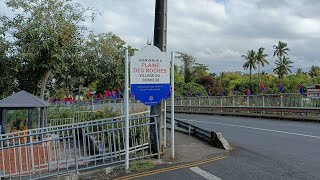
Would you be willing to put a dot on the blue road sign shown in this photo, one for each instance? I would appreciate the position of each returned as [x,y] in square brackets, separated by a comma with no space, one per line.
[150,75]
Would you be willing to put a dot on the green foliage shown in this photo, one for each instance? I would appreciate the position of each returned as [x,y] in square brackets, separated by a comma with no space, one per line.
[17,118]
[178,75]
[186,89]
[251,61]
[7,70]
[140,165]
[283,67]
[46,34]
[283,63]
[314,71]
[188,62]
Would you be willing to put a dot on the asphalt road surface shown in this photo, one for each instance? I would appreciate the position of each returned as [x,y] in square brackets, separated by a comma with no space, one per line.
[263,149]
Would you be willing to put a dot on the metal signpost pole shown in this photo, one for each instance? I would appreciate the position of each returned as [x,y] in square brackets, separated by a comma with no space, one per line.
[126,109]
[165,123]
[172,106]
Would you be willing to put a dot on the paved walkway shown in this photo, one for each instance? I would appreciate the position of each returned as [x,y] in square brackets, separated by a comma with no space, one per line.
[189,149]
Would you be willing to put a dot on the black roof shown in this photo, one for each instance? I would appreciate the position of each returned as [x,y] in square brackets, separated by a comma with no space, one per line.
[23,99]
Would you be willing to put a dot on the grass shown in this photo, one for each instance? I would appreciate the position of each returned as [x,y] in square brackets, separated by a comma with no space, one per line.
[141,165]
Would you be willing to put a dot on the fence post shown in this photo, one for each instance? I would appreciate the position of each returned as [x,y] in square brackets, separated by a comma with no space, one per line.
[281,101]
[209,101]
[233,101]
[221,103]
[75,149]
[181,101]
[199,101]
[190,102]
[248,101]
[263,104]
[302,101]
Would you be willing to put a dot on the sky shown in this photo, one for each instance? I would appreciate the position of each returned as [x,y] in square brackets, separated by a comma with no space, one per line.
[218,32]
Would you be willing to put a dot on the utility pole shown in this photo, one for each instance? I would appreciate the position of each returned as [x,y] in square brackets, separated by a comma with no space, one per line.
[160,41]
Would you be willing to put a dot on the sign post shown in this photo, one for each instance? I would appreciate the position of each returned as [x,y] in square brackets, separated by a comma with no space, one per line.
[126,110]
[172,106]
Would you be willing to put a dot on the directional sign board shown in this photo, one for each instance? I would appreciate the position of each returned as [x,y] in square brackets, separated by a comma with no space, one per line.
[150,75]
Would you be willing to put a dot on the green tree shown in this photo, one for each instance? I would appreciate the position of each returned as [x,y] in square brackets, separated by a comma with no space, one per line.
[281,49]
[188,62]
[45,32]
[198,71]
[178,74]
[283,62]
[7,70]
[250,63]
[283,67]
[299,71]
[261,59]
[105,60]
[314,71]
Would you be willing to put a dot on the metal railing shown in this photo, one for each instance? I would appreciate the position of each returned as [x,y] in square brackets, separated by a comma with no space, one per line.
[292,113]
[83,116]
[57,150]
[263,100]
[115,105]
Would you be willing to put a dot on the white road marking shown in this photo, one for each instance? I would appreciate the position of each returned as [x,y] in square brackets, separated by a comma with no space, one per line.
[204,173]
[261,129]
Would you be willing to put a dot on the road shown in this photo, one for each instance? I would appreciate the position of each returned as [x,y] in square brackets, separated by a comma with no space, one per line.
[263,149]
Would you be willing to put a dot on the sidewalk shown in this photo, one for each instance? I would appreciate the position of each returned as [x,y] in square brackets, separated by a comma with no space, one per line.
[189,149]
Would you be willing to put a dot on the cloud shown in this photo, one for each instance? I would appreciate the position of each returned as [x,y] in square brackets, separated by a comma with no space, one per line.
[218,32]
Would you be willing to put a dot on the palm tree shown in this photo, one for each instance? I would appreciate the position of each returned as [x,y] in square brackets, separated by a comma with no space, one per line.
[281,49]
[250,63]
[314,71]
[283,67]
[261,59]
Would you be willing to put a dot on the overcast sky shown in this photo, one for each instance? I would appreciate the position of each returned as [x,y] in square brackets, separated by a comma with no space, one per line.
[218,32]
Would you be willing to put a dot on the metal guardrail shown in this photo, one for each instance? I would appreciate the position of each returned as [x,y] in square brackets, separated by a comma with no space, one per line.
[211,137]
[293,113]
[57,150]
